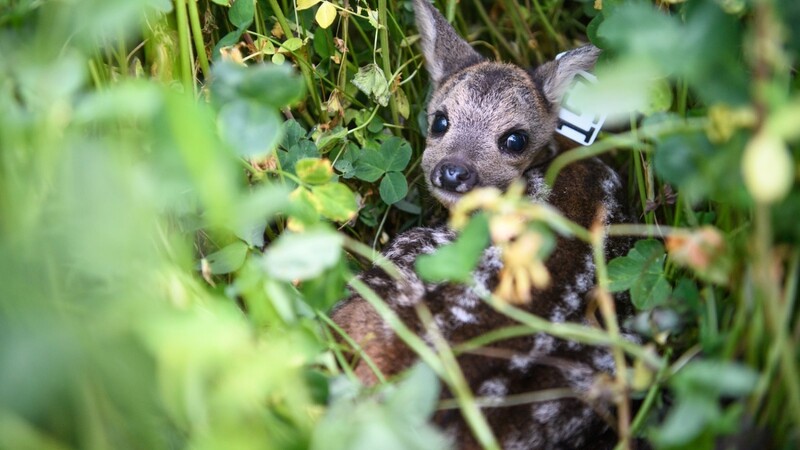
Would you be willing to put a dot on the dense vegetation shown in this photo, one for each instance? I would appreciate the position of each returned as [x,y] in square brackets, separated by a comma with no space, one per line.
[186,187]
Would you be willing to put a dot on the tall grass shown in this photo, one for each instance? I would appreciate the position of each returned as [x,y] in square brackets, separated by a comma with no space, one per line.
[175,226]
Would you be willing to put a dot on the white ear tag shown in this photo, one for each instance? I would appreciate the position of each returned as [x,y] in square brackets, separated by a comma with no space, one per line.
[579,126]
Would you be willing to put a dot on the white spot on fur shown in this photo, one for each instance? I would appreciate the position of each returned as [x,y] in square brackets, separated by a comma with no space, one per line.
[557,315]
[461,315]
[490,264]
[410,291]
[603,361]
[578,376]
[584,280]
[573,300]
[543,344]
[610,184]
[494,387]
[516,440]
[520,362]
[546,411]
[538,190]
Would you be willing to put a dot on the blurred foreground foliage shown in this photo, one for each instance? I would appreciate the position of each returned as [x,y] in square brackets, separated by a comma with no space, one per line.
[174,225]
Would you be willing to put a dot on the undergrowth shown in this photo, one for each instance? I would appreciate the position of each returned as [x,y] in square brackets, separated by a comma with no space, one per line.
[187,187]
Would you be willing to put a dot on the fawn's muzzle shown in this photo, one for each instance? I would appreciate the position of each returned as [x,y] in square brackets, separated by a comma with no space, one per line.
[454,176]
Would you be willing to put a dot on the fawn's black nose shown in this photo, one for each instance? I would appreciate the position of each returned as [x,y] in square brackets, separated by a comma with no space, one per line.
[454,176]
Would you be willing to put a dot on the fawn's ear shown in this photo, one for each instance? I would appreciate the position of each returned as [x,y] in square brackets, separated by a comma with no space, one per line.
[444,50]
[555,76]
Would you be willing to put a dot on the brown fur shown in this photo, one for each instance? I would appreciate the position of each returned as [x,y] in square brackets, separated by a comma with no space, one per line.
[483,101]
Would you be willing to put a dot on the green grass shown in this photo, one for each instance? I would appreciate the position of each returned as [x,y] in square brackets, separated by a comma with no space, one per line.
[174,227]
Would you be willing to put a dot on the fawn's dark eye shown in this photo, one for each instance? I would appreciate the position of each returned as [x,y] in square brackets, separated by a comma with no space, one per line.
[514,142]
[439,124]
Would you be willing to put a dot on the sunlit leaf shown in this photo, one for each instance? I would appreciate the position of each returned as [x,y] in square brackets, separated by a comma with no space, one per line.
[299,256]
[325,14]
[305,4]
[292,44]
[403,106]
[305,208]
[314,170]
[335,201]
[767,167]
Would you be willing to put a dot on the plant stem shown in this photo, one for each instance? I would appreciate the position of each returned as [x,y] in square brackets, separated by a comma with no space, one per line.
[494,31]
[546,23]
[187,74]
[609,314]
[308,76]
[458,383]
[573,331]
[355,346]
[383,32]
[402,331]
[197,34]
[767,287]
[626,140]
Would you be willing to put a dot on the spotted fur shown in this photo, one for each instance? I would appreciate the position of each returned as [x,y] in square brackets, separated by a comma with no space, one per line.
[483,101]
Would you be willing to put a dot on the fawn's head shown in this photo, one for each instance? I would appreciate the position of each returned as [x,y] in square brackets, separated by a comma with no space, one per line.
[489,122]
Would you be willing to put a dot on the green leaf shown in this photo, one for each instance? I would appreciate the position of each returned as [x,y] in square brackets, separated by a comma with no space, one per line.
[345,162]
[455,261]
[256,209]
[266,84]
[323,43]
[293,132]
[371,80]
[641,271]
[300,256]
[416,396]
[304,207]
[228,259]
[393,187]
[251,129]
[396,154]
[241,13]
[274,85]
[335,201]
[375,125]
[303,149]
[331,137]
[314,170]
[686,420]
[292,44]
[370,165]
[715,378]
